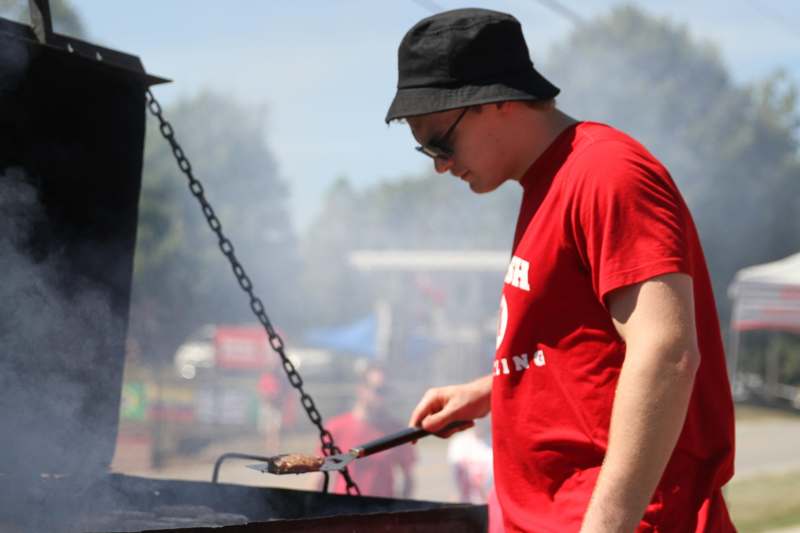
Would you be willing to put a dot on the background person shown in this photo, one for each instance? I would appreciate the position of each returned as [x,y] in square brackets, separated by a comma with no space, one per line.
[270,415]
[368,420]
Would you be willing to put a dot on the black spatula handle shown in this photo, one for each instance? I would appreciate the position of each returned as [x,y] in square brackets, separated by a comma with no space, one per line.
[402,437]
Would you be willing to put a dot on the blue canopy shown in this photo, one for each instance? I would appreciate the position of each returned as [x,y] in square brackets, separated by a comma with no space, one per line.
[357,338]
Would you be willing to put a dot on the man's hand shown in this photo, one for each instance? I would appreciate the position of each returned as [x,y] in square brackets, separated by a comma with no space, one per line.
[656,321]
[443,405]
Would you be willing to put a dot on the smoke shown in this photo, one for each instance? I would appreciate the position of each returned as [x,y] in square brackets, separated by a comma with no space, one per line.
[56,331]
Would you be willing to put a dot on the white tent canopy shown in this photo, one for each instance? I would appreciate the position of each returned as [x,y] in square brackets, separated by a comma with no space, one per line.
[767,296]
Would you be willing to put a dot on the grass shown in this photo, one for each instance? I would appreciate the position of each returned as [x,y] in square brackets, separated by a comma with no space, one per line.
[770,501]
[765,502]
[748,412]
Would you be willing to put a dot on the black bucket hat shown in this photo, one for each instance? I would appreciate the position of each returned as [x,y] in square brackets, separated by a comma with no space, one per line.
[464,57]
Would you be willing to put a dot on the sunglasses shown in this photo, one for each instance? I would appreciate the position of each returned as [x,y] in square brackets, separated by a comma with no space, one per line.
[439,148]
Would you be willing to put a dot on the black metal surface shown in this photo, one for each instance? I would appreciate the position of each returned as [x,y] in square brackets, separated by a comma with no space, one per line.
[72,133]
[72,52]
[258,504]
[126,503]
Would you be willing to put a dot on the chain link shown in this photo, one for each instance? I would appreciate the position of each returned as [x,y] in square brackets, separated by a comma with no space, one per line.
[256,305]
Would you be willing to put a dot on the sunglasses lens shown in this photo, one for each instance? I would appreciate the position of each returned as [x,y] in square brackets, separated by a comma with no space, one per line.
[434,152]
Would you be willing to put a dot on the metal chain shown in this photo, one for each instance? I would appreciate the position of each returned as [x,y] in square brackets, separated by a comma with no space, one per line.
[256,305]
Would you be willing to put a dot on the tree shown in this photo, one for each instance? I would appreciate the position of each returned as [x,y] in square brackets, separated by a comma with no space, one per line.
[333,290]
[182,280]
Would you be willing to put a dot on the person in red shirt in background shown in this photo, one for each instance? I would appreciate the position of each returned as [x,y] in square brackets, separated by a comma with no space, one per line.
[368,420]
[277,407]
[611,407]
[270,416]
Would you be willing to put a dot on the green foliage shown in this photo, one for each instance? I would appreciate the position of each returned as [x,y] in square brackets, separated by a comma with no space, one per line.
[181,279]
[765,503]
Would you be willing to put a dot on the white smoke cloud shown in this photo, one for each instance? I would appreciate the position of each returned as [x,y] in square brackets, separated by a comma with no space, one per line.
[52,329]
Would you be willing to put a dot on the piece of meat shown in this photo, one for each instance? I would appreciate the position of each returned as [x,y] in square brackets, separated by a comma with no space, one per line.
[294,463]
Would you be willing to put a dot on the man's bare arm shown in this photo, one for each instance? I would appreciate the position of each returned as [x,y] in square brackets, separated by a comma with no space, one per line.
[656,321]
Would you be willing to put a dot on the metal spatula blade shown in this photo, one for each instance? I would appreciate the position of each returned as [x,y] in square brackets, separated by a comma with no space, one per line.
[338,461]
[261,467]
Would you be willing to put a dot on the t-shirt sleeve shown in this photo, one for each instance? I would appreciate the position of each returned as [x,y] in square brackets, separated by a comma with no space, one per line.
[629,220]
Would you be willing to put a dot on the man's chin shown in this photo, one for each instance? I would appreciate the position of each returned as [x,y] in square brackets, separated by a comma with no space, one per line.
[478,188]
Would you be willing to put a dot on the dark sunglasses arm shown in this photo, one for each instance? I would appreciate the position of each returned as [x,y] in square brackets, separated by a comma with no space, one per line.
[436,152]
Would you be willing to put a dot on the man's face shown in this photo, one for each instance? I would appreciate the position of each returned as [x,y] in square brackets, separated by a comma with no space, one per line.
[478,156]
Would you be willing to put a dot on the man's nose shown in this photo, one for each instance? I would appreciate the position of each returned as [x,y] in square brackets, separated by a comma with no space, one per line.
[442,164]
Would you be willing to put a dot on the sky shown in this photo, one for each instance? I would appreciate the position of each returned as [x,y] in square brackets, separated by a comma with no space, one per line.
[325,70]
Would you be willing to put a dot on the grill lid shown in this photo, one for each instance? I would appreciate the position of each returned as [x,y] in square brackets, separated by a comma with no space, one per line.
[72,130]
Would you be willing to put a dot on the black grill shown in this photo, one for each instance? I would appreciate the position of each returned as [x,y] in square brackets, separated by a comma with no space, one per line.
[72,118]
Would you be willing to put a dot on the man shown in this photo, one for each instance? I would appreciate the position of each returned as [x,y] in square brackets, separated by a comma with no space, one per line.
[368,420]
[610,401]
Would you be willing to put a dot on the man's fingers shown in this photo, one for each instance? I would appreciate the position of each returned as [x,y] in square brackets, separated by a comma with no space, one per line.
[418,414]
[435,422]
[446,434]
[428,404]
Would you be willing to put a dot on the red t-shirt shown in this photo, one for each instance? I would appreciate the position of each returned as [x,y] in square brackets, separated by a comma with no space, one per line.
[598,213]
[374,474]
